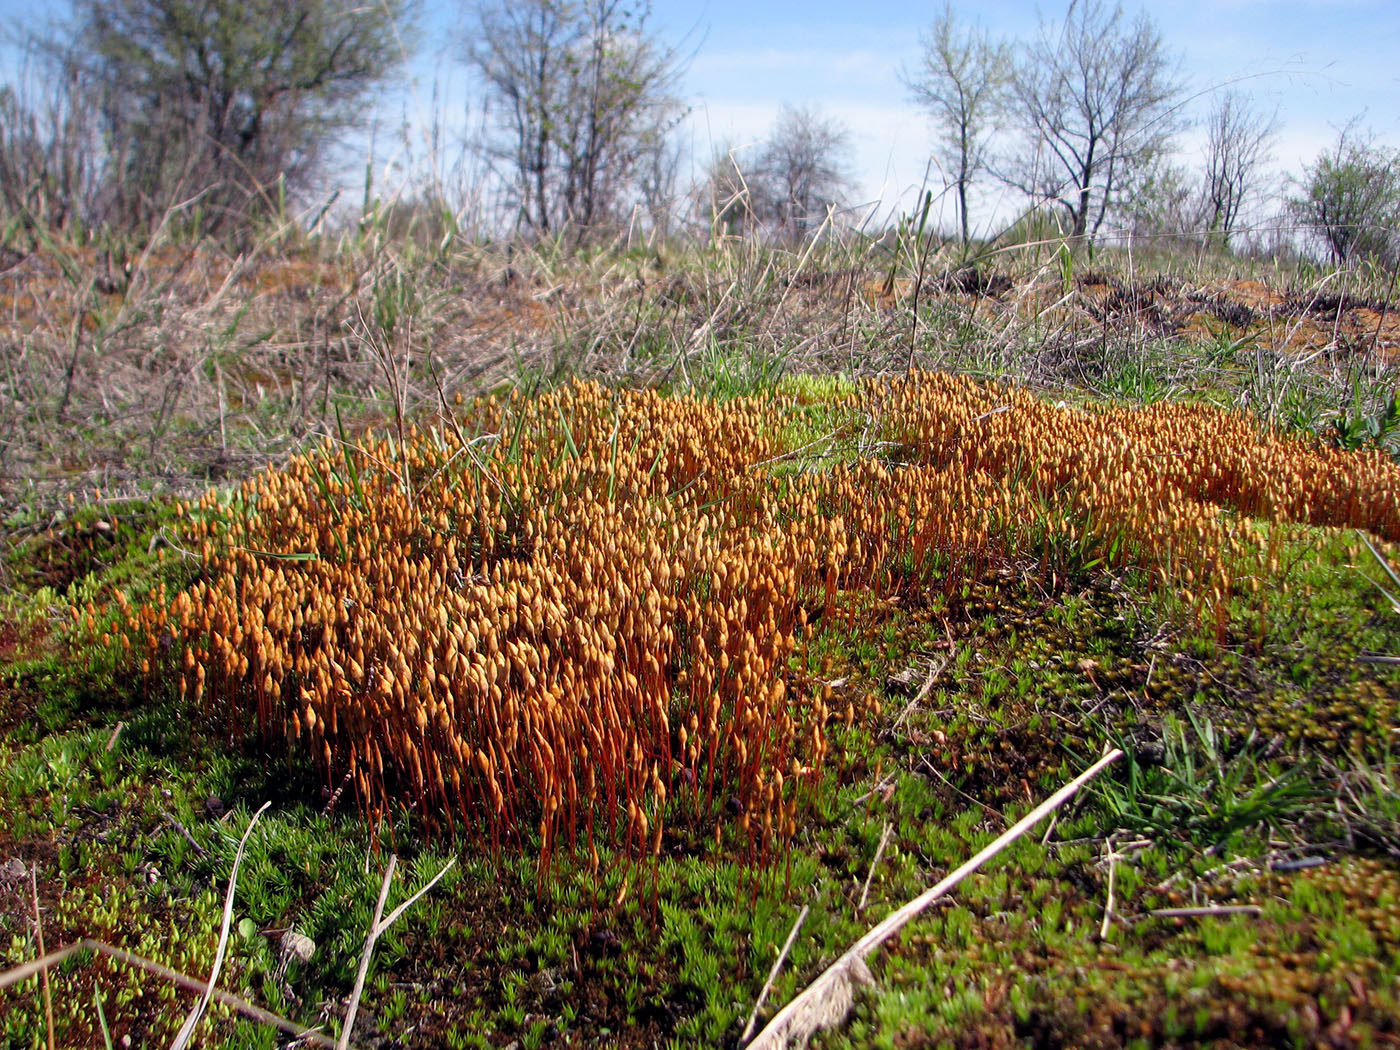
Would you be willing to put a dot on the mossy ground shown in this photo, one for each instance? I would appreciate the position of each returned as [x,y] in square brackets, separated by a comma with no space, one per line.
[1259,775]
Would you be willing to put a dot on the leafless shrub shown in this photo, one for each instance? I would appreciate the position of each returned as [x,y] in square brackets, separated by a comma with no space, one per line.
[50,152]
[1237,148]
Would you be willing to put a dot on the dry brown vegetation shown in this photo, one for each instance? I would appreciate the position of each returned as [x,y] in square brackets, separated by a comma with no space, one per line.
[187,364]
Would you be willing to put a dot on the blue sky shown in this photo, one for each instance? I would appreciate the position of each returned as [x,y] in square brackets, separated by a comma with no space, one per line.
[1320,63]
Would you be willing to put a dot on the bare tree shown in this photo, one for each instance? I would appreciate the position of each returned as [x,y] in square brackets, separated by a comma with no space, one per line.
[1097,96]
[802,171]
[658,183]
[962,82]
[584,97]
[1237,148]
[518,55]
[229,97]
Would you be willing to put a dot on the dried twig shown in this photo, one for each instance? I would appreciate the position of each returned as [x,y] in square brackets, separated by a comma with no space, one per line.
[335,795]
[826,1000]
[377,927]
[170,819]
[934,671]
[959,791]
[186,1033]
[233,1002]
[874,863]
[1205,911]
[825,439]
[39,934]
[1112,859]
[880,787]
[374,926]
[773,973]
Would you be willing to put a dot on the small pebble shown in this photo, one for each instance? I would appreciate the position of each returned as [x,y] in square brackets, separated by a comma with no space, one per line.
[298,945]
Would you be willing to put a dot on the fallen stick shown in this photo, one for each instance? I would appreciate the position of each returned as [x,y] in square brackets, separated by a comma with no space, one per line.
[825,1002]
[1206,911]
[26,970]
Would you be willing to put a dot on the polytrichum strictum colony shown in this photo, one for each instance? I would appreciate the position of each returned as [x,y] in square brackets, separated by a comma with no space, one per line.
[577,612]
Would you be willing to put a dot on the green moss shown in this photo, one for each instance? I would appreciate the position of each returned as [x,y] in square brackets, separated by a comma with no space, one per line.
[953,709]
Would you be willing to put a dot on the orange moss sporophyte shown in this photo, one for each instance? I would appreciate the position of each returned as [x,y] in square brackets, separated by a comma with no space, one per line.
[580,623]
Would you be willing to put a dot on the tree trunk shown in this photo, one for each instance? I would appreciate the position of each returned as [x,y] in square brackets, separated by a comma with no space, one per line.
[1086,176]
[962,209]
[1081,213]
[963,176]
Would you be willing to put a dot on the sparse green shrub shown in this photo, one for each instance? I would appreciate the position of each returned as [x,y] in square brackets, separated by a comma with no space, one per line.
[1357,428]
[1350,199]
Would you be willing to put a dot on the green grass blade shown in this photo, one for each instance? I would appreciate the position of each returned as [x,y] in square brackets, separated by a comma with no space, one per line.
[350,469]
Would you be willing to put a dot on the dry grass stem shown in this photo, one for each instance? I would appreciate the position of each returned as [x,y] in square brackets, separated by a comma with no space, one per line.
[377,928]
[773,973]
[186,1033]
